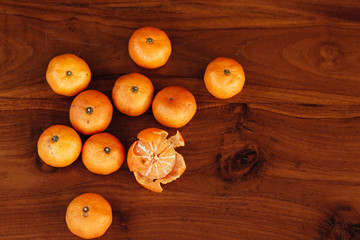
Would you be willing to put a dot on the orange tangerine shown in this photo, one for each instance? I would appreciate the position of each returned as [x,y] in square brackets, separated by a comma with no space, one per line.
[133,94]
[153,158]
[149,47]
[91,112]
[103,153]
[59,146]
[89,216]
[224,78]
[68,74]
[174,106]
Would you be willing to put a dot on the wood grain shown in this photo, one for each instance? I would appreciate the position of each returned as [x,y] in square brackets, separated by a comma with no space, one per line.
[279,161]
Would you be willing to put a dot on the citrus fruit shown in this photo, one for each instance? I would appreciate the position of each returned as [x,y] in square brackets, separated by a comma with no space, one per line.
[224,78]
[59,146]
[153,158]
[103,153]
[174,106]
[132,94]
[88,216]
[149,47]
[91,112]
[68,74]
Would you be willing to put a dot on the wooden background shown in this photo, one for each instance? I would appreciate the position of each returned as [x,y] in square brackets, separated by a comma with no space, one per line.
[279,161]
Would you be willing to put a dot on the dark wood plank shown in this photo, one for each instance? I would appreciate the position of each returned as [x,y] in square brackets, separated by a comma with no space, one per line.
[279,161]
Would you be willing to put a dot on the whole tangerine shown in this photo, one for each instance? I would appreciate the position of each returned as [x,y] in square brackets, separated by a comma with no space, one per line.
[59,146]
[132,94]
[224,78]
[149,47]
[91,112]
[88,216]
[103,153]
[68,74]
[174,106]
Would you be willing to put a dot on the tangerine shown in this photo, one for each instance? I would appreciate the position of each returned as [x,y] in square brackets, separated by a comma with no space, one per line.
[103,153]
[174,106]
[149,47]
[224,78]
[68,74]
[133,94]
[153,158]
[91,112]
[89,216]
[59,146]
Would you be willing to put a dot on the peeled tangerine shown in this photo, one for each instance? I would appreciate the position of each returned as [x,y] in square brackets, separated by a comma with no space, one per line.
[153,158]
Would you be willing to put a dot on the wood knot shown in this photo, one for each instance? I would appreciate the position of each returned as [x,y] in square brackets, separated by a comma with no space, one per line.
[343,223]
[330,54]
[246,162]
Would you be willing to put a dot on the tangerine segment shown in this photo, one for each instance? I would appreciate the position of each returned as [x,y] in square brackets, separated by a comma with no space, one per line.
[178,170]
[156,162]
[154,184]
[89,216]
[68,74]
[145,153]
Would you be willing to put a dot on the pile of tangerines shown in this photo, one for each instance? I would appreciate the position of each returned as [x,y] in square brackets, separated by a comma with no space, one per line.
[152,158]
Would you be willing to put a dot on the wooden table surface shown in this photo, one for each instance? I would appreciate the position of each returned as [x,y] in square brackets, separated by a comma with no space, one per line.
[279,161]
